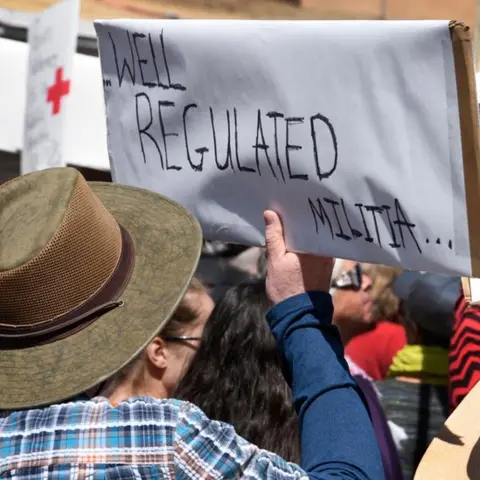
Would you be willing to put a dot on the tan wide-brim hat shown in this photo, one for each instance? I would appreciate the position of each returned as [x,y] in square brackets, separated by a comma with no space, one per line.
[58,244]
[455,452]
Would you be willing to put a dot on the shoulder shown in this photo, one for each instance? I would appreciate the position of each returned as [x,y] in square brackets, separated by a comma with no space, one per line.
[93,413]
[202,443]
[200,447]
[387,327]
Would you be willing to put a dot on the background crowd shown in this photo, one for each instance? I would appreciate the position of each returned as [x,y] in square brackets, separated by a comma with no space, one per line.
[404,338]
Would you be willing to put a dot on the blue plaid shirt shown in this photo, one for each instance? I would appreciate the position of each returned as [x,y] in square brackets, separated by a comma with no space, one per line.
[138,439]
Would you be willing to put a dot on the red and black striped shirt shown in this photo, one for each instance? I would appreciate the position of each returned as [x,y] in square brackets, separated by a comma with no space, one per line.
[464,356]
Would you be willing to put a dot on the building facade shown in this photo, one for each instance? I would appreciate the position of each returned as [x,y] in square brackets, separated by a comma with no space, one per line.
[461,10]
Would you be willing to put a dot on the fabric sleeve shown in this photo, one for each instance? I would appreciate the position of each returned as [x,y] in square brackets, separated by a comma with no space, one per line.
[337,437]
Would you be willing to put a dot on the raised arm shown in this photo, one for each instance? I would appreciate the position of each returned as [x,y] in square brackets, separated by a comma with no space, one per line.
[337,437]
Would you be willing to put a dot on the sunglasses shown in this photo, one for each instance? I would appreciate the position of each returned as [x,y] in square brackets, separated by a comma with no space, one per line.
[352,279]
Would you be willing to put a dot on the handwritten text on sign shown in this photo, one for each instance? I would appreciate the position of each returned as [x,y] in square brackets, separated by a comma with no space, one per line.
[357,147]
[52,39]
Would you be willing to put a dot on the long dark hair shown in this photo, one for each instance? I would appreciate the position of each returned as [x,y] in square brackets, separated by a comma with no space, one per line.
[235,376]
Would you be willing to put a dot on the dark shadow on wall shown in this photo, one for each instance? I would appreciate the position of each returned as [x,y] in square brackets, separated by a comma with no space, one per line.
[10,168]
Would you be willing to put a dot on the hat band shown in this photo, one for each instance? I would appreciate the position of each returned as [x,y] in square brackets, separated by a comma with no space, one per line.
[105,300]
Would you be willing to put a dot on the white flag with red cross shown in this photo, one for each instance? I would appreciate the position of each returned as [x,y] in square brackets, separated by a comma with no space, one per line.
[52,38]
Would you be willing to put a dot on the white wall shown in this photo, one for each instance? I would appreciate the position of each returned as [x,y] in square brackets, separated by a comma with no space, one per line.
[86,129]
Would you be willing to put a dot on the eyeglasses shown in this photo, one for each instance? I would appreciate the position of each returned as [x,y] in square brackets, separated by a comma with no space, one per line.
[352,279]
[181,338]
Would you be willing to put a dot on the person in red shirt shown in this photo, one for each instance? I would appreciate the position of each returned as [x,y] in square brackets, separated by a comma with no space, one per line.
[374,349]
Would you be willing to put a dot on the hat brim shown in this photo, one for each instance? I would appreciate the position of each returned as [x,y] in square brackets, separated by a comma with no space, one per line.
[455,451]
[168,242]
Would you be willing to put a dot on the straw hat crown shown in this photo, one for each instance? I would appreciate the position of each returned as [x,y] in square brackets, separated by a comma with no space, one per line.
[89,275]
[59,245]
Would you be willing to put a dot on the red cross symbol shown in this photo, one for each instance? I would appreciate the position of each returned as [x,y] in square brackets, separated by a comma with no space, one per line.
[59,89]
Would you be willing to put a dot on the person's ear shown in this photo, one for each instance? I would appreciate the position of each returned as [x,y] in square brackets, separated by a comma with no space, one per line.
[157,353]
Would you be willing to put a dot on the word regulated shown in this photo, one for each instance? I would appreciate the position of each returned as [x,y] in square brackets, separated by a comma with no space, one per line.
[276,157]
[279,161]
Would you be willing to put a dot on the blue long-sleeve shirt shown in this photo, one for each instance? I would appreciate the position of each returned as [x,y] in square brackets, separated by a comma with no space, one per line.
[166,439]
[337,438]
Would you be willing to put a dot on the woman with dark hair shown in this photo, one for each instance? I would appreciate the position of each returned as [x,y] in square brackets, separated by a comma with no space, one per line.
[236,375]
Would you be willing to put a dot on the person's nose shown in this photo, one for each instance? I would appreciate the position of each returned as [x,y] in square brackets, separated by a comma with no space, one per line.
[366,283]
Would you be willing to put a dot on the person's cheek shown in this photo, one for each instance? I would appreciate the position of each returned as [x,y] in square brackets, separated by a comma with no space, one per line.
[350,305]
[185,361]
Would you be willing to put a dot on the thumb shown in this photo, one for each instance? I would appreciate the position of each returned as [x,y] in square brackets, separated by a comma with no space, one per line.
[274,240]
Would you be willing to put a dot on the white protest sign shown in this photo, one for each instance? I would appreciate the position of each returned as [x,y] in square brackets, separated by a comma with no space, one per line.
[350,129]
[53,40]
